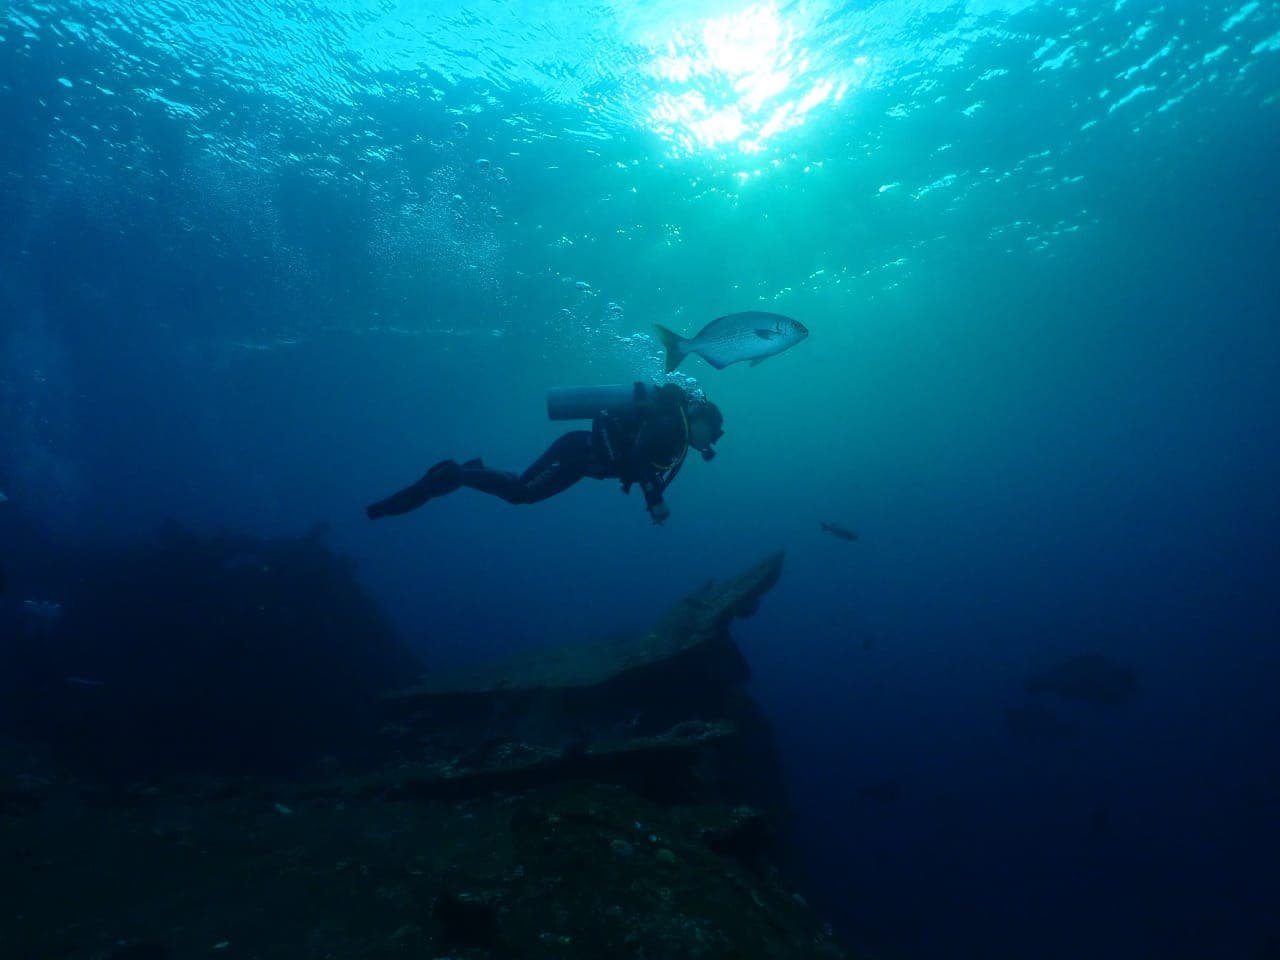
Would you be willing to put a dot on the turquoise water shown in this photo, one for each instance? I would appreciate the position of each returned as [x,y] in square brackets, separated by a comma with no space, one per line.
[263,263]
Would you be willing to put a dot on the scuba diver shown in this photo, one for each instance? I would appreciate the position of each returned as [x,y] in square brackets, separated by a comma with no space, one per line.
[639,434]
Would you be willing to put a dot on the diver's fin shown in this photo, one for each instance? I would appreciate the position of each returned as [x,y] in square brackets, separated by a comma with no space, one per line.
[444,477]
[673,343]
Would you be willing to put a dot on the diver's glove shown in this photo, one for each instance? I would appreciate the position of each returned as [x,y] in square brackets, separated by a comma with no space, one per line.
[660,512]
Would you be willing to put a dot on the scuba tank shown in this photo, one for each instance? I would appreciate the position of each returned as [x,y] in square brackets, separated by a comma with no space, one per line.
[587,403]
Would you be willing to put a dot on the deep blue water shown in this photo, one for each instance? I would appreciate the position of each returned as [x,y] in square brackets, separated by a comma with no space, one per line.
[261,263]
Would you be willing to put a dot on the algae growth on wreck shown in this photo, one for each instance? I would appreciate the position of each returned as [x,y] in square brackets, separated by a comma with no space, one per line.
[618,798]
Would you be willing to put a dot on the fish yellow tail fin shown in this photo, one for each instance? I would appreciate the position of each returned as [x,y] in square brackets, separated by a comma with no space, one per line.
[673,343]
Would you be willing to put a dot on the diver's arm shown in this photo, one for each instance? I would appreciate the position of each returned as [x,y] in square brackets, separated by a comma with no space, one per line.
[652,485]
[657,507]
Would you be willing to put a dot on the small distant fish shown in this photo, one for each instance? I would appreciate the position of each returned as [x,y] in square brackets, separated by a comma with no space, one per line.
[83,682]
[839,532]
[3,498]
[753,336]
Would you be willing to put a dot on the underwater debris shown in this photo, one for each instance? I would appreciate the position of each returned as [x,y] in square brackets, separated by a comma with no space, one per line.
[530,875]
[746,836]
[695,622]
[592,801]
[664,711]
[229,655]
[467,919]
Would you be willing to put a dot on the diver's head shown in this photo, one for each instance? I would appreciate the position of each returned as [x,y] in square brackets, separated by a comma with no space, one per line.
[706,426]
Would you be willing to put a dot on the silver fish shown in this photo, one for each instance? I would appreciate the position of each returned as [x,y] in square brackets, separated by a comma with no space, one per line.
[753,336]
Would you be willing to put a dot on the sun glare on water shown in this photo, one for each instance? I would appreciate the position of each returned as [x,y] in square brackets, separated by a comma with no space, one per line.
[733,81]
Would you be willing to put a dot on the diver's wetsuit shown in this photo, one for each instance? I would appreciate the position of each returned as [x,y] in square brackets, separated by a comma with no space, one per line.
[646,449]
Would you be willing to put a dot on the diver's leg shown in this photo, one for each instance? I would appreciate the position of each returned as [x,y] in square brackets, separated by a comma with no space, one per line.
[563,465]
[443,478]
[499,483]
